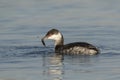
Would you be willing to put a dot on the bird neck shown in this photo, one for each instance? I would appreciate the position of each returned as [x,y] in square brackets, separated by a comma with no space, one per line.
[59,41]
[58,46]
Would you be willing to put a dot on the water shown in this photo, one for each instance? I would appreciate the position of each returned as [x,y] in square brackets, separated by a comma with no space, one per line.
[23,23]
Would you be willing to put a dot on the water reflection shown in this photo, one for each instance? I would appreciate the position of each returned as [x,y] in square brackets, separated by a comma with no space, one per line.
[53,67]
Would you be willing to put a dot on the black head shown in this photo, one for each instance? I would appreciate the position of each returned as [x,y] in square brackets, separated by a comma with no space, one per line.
[53,34]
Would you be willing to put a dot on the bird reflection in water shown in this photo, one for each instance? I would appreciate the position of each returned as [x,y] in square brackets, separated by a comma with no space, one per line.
[53,67]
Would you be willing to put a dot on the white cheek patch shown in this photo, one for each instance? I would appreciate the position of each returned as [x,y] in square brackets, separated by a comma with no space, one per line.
[52,37]
[55,36]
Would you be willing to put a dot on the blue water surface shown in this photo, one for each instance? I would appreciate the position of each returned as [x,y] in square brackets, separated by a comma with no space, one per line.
[24,22]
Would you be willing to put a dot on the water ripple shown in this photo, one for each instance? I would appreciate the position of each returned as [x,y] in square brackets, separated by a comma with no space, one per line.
[34,51]
[23,51]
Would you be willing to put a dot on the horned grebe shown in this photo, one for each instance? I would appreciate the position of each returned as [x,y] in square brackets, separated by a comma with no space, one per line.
[82,48]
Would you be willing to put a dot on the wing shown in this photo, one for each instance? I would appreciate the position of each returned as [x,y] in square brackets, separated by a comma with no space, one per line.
[80,44]
[78,48]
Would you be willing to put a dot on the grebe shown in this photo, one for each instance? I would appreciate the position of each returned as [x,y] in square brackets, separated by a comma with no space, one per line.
[82,48]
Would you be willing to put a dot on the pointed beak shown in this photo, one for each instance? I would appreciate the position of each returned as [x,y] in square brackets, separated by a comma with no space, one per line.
[42,40]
